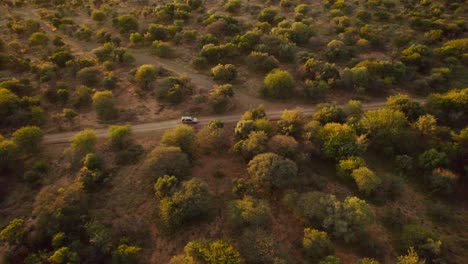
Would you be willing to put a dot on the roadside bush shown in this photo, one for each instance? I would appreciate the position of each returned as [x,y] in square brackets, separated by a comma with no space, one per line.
[104,105]
[182,136]
[327,113]
[84,142]
[316,244]
[256,143]
[224,73]
[219,53]
[28,139]
[119,137]
[272,170]
[249,211]
[211,139]
[290,123]
[168,161]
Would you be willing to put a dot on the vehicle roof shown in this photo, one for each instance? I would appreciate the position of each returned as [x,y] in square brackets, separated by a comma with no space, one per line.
[186,117]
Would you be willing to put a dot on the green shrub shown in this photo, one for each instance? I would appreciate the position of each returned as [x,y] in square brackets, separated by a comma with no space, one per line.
[366,180]
[145,75]
[161,49]
[28,138]
[261,62]
[224,73]
[38,39]
[89,76]
[278,84]
[126,23]
[104,105]
[168,161]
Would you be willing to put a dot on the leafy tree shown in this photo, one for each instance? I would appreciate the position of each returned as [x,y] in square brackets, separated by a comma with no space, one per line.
[165,186]
[28,138]
[316,243]
[64,255]
[84,142]
[168,161]
[224,73]
[182,136]
[291,122]
[366,180]
[98,15]
[14,232]
[119,137]
[145,75]
[255,113]
[272,170]
[339,141]
[192,201]
[422,240]
[278,84]
[285,146]
[9,102]
[125,254]
[255,144]
[104,104]
[93,162]
[249,211]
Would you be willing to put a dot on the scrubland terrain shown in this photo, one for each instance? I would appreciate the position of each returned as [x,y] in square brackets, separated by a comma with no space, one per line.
[330,131]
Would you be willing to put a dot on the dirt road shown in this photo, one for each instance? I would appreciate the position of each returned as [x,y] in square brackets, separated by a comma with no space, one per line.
[163,125]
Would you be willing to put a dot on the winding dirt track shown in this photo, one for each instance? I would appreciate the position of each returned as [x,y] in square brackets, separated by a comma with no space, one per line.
[163,125]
